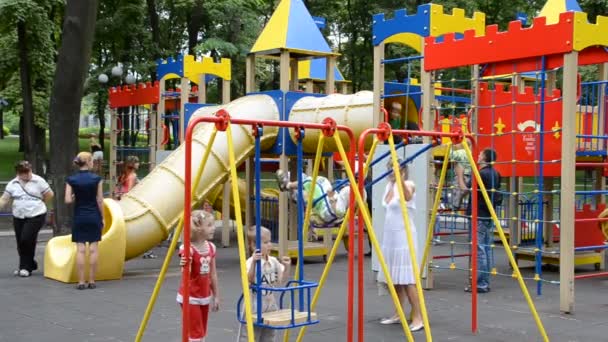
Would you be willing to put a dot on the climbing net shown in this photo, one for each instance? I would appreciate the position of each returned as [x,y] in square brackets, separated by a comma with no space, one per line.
[518,115]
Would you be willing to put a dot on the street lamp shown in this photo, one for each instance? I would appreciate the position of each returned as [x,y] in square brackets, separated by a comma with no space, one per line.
[117,71]
[103,78]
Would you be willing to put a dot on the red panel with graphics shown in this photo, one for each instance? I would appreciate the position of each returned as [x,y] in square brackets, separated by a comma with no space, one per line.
[514,119]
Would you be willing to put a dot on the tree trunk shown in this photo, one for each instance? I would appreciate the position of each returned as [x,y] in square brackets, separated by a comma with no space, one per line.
[101,115]
[68,88]
[21,135]
[195,22]
[40,151]
[28,132]
[155,27]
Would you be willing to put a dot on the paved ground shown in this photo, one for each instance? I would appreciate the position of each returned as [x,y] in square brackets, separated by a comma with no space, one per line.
[37,309]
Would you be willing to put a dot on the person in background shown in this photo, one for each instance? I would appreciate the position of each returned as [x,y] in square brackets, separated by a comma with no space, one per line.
[274,273]
[29,194]
[462,175]
[203,282]
[395,246]
[485,225]
[97,152]
[128,178]
[85,190]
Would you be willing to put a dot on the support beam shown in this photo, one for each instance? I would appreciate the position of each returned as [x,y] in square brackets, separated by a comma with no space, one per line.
[294,83]
[184,97]
[344,88]
[330,80]
[426,85]
[160,112]
[250,74]
[153,142]
[567,197]
[378,84]
[225,91]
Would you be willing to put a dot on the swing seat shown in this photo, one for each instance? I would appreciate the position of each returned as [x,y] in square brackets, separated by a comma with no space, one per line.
[287,317]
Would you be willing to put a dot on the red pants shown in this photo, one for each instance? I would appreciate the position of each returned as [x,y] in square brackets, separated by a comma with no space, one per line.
[199,315]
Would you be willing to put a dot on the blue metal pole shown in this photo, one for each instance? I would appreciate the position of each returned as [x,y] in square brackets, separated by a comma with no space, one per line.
[258,219]
[539,227]
[300,167]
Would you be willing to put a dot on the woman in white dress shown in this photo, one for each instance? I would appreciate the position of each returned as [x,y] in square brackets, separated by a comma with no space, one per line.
[395,247]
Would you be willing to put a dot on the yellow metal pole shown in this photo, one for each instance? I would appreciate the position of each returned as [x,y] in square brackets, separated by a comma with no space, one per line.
[241,241]
[429,235]
[503,239]
[173,245]
[332,254]
[311,192]
[309,205]
[372,237]
[410,240]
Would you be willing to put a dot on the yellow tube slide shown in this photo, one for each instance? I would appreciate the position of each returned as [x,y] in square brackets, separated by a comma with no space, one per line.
[144,216]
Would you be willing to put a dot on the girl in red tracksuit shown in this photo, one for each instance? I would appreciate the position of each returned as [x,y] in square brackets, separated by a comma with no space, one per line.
[203,291]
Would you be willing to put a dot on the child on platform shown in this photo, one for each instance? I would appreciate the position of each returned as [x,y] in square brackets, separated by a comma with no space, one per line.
[274,273]
[204,291]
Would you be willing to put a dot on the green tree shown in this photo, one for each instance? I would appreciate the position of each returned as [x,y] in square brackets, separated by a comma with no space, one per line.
[27,51]
[68,89]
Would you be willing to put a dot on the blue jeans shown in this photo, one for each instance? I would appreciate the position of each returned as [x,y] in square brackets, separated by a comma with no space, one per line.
[485,254]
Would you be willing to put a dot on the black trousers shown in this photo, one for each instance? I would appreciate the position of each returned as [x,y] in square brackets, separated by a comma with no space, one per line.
[26,233]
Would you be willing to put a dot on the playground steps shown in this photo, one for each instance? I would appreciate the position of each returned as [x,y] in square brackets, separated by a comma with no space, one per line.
[283,317]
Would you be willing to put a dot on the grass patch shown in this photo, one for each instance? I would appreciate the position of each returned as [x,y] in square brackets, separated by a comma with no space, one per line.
[9,155]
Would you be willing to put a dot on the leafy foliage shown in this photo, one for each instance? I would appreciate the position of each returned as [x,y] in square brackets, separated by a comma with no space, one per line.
[40,18]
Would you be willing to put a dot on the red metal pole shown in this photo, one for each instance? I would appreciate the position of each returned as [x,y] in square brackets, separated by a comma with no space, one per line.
[383,132]
[591,275]
[590,165]
[186,234]
[361,272]
[186,231]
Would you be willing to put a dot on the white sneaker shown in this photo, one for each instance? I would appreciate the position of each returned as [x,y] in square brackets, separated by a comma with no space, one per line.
[24,273]
[16,273]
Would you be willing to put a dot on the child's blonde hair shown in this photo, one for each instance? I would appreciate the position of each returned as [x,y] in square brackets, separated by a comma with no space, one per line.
[198,219]
[83,158]
[251,237]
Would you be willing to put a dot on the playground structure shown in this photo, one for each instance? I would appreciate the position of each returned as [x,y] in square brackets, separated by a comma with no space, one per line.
[128,114]
[291,122]
[534,129]
[138,110]
[311,75]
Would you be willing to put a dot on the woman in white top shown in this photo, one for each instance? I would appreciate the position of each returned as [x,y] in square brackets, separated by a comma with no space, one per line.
[28,193]
[395,247]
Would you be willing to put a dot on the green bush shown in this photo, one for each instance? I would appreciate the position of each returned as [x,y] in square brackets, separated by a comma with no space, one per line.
[6,130]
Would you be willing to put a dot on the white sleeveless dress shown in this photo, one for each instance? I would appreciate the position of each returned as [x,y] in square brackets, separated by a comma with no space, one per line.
[395,248]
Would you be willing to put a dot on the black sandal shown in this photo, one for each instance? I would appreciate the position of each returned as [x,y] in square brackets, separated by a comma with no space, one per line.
[80,287]
[92,285]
